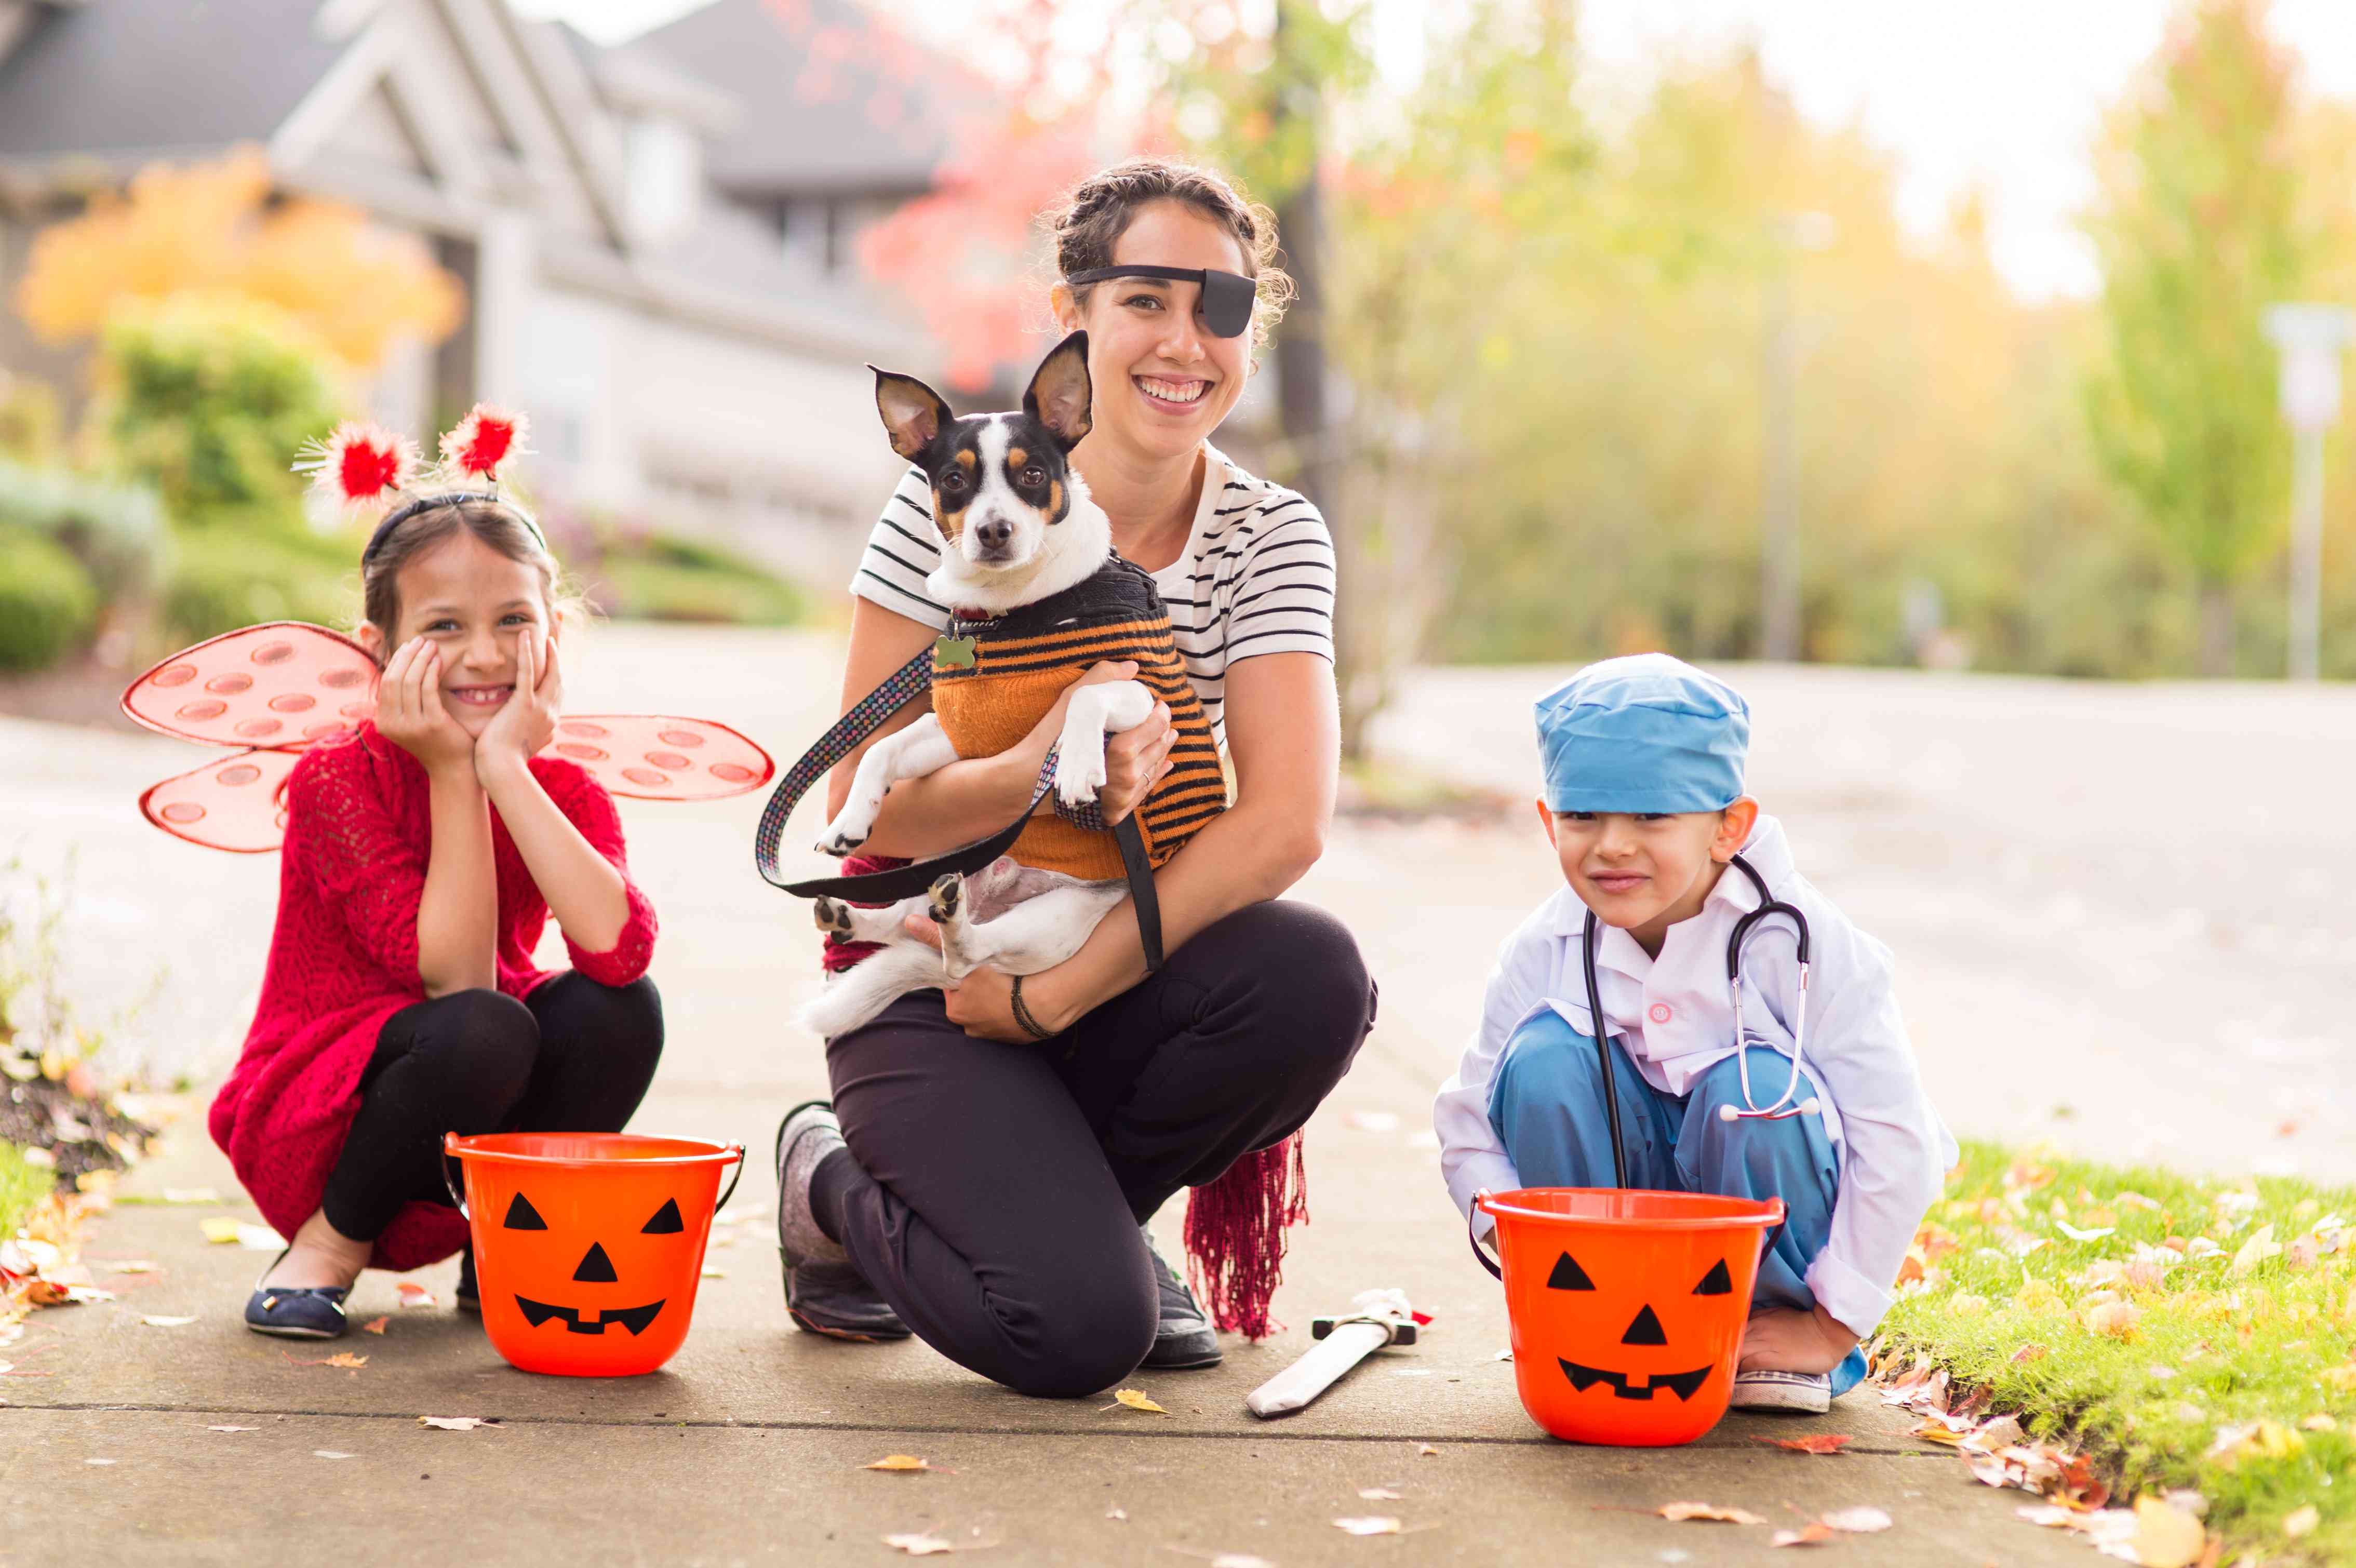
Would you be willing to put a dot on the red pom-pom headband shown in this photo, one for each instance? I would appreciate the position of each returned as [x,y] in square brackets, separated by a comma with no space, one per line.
[362,467]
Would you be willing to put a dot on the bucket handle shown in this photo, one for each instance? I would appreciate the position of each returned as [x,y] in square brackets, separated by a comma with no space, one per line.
[449,1140]
[1473,1236]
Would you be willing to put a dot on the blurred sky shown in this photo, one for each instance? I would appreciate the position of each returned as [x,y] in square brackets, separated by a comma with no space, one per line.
[2004,94]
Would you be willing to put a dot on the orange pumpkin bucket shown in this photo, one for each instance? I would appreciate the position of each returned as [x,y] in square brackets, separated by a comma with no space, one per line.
[1627,1307]
[588,1246]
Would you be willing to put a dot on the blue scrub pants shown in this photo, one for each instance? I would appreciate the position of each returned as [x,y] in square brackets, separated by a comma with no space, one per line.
[1547,1104]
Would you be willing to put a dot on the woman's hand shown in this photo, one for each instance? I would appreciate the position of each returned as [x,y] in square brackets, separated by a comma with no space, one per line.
[982,1003]
[1135,761]
[410,714]
[1782,1339]
[522,728]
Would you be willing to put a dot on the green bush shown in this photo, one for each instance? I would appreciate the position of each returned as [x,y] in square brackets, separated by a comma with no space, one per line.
[670,578]
[49,606]
[227,578]
[116,531]
[649,587]
[209,400]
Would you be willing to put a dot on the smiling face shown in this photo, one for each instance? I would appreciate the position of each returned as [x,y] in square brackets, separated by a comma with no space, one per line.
[1163,382]
[472,603]
[1645,873]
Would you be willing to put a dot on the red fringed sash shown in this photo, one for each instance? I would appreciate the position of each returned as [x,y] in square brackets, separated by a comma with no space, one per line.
[1235,1235]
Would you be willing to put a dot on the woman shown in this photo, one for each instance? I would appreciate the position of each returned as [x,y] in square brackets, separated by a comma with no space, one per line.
[993,1187]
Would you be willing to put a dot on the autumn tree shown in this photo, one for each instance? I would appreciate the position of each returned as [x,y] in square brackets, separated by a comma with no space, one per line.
[210,229]
[2198,230]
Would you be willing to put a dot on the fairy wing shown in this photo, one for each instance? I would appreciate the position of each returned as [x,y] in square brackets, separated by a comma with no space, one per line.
[237,803]
[657,756]
[286,684]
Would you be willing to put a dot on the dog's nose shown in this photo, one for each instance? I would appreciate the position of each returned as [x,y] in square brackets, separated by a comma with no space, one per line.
[994,532]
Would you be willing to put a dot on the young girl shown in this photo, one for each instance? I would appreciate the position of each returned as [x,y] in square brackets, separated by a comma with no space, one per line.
[424,853]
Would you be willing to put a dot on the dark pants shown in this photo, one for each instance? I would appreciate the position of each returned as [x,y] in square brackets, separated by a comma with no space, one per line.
[574,1057]
[992,1193]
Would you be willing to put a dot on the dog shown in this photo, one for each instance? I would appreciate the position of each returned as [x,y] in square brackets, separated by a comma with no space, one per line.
[1038,597]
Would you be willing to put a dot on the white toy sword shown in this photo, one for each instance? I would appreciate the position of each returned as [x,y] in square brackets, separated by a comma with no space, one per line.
[1378,1318]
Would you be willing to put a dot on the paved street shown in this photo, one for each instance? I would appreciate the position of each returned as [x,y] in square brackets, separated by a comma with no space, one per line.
[2086,918]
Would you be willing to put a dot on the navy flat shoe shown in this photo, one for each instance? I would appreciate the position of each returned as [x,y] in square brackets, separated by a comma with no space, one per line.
[296,1312]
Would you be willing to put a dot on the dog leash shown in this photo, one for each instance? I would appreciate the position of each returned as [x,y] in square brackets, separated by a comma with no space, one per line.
[866,717]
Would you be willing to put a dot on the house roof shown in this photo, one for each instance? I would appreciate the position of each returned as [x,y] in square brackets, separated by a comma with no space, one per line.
[131,77]
[834,99]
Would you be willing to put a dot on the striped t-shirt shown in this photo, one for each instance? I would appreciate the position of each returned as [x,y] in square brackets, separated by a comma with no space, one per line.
[1256,574]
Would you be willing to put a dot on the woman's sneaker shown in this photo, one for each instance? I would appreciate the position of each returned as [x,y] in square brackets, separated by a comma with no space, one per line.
[824,1292]
[1182,1337]
[1798,1393]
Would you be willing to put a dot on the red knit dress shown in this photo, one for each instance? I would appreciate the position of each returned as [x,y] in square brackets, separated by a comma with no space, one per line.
[343,960]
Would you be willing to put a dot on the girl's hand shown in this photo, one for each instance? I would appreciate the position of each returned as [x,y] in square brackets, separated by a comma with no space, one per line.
[1782,1339]
[410,714]
[982,1003]
[522,728]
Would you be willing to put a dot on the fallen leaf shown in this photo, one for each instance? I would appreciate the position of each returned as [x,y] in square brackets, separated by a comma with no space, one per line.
[2116,1318]
[897,1462]
[132,1266]
[88,1461]
[156,1320]
[713,1273]
[340,1358]
[219,1230]
[2260,1247]
[1373,1524]
[187,1194]
[1239,1560]
[1117,1513]
[2319,1421]
[1426,1451]
[1807,1535]
[1859,1521]
[1816,1442]
[2077,1235]
[455,1423]
[375,1324]
[1379,1495]
[332,1454]
[2304,1520]
[1707,1511]
[1371,1121]
[2029,1353]
[2165,1536]
[233,1429]
[1135,1400]
[414,1294]
[918,1545]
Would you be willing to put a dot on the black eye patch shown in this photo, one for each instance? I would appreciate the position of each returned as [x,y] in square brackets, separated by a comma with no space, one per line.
[1225,305]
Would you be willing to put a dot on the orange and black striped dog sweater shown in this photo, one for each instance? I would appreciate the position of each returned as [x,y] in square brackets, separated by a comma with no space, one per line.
[994,679]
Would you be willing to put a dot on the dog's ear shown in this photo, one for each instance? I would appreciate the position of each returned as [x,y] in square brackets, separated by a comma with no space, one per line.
[1060,393]
[913,412]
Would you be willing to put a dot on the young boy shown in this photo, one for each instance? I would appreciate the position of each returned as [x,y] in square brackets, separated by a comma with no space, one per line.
[1644,806]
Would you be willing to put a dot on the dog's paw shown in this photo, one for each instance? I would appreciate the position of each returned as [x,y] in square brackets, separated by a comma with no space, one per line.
[838,844]
[1079,779]
[833,917]
[946,898]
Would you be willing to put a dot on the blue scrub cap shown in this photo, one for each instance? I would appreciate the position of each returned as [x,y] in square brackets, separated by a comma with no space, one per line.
[1647,732]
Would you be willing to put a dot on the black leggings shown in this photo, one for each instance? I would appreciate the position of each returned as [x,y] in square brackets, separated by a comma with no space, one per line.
[992,1193]
[573,1056]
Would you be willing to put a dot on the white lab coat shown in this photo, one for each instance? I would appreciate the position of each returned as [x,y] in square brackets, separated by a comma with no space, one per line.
[1675,1016]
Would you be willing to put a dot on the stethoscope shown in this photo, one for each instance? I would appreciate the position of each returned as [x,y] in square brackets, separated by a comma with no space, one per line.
[1769,907]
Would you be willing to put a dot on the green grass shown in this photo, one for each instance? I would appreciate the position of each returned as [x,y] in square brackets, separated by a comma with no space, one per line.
[2236,1337]
[22,1188]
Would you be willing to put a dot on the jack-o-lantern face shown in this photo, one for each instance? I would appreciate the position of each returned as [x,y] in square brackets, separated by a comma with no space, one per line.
[596,1267]
[1644,1328]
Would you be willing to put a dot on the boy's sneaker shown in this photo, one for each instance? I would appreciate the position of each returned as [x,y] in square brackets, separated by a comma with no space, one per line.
[1796,1393]
[824,1292]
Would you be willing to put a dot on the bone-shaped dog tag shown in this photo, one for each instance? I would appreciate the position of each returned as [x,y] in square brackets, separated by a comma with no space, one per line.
[954,652]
